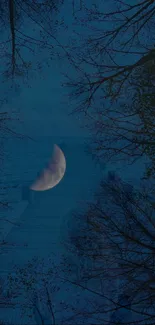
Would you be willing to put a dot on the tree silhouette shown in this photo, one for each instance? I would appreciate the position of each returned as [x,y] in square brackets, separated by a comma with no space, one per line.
[14,15]
[111,266]
[116,241]
[43,292]
[38,291]
[129,132]
[114,85]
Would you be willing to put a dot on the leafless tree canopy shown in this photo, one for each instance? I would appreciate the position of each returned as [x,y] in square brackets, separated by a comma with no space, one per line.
[115,80]
[117,240]
[110,270]
[17,41]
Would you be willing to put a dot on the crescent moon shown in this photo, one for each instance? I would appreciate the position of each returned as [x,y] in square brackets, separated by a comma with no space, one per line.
[53,173]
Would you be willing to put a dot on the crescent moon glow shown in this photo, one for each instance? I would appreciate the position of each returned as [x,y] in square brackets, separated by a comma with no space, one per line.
[53,173]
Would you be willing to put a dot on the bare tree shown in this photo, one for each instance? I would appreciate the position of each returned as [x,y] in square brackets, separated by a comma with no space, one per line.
[50,293]
[39,293]
[111,270]
[14,15]
[117,236]
[127,131]
[27,291]
[114,83]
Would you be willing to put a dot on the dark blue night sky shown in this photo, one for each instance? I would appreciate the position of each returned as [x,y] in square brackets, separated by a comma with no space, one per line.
[41,220]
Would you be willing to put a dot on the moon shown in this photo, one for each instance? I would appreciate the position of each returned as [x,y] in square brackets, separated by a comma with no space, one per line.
[53,173]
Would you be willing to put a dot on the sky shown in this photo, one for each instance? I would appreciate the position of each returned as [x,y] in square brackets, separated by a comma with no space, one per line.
[43,109]
[43,106]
